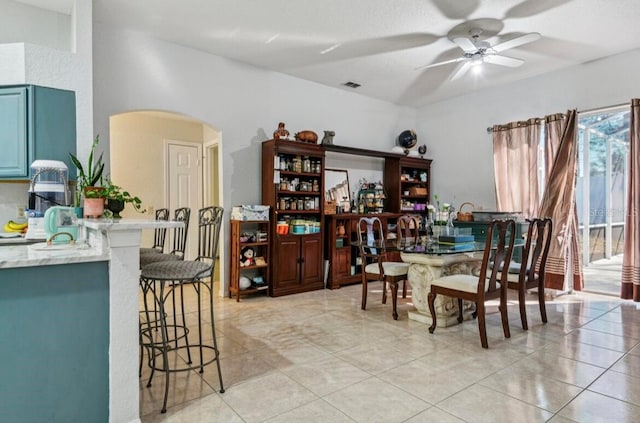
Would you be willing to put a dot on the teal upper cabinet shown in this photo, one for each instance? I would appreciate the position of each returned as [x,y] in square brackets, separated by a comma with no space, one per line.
[35,123]
[13,132]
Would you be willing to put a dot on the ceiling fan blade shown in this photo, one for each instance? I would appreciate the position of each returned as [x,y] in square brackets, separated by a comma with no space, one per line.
[461,69]
[465,44]
[518,41]
[433,65]
[503,60]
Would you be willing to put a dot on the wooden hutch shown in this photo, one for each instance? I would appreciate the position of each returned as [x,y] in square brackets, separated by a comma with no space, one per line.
[293,185]
[303,235]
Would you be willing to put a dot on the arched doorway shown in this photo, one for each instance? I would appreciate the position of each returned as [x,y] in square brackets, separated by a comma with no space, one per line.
[146,150]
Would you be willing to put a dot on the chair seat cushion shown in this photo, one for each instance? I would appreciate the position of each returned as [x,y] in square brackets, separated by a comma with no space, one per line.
[145,250]
[148,258]
[466,283]
[178,270]
[390,268]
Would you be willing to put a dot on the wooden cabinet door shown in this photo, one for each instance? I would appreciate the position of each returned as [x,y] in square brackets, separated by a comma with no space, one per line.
[311,254]
[342,263]
[286,272]
[13,126]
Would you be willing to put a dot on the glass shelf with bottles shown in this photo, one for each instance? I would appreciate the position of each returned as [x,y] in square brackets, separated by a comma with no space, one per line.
[371,197]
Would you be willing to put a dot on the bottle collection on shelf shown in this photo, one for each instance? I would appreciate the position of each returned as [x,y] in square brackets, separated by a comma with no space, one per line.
[298,164]
[298,175]
[298,184]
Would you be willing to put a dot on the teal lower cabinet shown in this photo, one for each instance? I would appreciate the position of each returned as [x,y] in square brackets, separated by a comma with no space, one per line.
[54,334]
[480,229]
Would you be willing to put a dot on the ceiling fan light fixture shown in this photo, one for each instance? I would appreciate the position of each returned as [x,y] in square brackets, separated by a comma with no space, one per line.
[477,60]
[475,52]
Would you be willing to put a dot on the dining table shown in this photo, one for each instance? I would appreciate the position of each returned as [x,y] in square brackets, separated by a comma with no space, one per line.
[430,260]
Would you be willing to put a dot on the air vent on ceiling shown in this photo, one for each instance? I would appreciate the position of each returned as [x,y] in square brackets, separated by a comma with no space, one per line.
[351,84]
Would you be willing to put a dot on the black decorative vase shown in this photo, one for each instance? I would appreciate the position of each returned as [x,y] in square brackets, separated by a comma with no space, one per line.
[115,206]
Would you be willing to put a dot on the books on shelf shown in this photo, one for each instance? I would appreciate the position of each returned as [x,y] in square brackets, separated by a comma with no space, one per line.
[455,239]
[461,246]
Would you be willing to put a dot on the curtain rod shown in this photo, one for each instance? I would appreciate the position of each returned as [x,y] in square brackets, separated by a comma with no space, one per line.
[597,109]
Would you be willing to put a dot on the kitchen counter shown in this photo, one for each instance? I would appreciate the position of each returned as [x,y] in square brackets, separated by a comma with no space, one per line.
[26,256]
[20,240]
[20,252]
[87,293]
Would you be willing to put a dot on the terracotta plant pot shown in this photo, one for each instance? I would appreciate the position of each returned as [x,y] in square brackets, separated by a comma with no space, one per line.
[93,207]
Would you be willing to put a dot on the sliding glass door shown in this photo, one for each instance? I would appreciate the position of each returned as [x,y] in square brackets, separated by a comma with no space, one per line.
[600,195]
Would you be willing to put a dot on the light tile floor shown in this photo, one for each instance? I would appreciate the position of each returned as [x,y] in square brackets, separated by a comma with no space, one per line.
[316,357]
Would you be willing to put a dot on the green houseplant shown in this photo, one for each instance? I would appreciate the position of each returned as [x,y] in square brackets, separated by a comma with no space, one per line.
[88,183]
[89,175]
[116,199]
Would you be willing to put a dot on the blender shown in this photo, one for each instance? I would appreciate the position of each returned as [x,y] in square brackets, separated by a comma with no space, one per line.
[48,188]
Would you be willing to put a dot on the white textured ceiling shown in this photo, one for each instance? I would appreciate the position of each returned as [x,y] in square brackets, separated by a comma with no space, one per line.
[379,43]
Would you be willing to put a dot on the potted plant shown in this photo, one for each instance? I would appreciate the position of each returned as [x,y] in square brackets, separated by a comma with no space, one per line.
[89,181]
[93,203]
[116,199]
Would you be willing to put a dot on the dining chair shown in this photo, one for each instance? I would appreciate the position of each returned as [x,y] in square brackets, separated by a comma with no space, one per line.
[159,235]
[408,232]
[160,279]
[374,266]
[485,286]
[529,274]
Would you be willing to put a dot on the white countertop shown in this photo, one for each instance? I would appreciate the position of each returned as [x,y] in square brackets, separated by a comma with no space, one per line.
[127,224]
[27,256]
[35,255]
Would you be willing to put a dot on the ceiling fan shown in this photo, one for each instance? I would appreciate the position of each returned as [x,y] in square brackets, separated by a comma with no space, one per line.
[475,52]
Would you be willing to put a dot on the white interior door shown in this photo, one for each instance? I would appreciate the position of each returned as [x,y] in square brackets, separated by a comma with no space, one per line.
[184,184]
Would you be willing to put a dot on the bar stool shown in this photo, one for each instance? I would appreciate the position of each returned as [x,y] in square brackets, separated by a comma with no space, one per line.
[161,279]
[182,214]
[148,256]
[159,235]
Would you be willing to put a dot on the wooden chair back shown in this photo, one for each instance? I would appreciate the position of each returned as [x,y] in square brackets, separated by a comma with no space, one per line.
[495,259]
[536,249]
[369,232]
[408,229]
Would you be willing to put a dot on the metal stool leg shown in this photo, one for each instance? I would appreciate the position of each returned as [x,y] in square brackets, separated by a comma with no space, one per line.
[215,342]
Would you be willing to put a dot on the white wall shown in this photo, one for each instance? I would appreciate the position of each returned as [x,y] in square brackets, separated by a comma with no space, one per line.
[455,130]
[21,23]
[35,61]
[22,62]
[135,72]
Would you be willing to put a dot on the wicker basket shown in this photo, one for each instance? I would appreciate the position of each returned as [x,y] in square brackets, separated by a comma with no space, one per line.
[465,216]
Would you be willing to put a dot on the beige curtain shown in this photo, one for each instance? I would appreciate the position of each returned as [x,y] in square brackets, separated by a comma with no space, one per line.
[553,127]
[631,259]
[558,203]
[515,159]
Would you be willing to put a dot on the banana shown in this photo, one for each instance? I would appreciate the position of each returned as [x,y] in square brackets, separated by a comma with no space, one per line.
[12,226]
[8,228]
[16,225]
